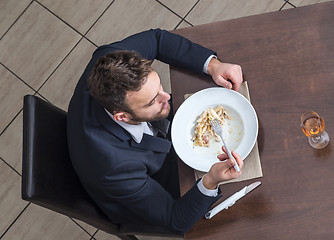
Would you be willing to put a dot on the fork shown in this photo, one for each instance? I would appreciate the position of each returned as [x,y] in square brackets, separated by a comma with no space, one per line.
[218,130]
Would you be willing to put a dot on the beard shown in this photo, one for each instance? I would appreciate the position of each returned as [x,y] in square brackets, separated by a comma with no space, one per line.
[164,112]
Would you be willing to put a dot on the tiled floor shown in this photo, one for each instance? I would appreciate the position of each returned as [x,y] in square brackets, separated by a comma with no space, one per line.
[44,47]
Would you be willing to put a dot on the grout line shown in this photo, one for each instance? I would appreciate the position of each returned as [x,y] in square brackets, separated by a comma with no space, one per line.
[93,236]
[41,96]
[61,62]
[177,25]
[16,20]
[191,10]
[34,92]
[81,227]
[282,6]
[10,167]
[15,220]
[59,18]
[8,69]
[82,35]
[96,22]
[90,41]
[184,19]
[11,122]
[291,4]
[169,9]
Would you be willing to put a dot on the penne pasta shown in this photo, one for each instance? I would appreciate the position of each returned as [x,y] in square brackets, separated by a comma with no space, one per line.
[203,129]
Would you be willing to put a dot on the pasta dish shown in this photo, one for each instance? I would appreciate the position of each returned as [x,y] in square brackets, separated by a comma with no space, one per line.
[203,130]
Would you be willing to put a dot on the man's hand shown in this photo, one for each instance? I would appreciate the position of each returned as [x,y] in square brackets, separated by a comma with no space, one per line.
[222,72]
[222,171]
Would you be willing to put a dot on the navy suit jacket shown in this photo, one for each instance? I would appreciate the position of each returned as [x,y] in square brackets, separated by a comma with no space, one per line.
[114,169]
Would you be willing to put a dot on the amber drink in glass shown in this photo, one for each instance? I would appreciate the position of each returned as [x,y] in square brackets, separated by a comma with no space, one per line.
[313,127]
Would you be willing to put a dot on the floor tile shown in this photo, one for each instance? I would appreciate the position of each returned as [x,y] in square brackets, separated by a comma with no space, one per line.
[39,223]
[127,17]
[46,40]
[12,91]
[216,10]
[299,3]
[10,10]
[60,86]
[11,204]
[11,143]
[80,14]
[179,7]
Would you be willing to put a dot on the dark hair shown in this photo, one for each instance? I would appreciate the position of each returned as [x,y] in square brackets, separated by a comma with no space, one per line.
[114,75]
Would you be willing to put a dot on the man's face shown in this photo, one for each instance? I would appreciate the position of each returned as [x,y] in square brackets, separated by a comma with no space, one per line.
[150,102]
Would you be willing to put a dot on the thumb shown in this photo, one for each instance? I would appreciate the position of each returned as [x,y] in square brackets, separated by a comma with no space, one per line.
[222,157]
[226,83]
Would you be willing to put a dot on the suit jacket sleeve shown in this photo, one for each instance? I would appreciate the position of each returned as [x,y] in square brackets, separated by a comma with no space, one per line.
[166,47]
[129,184]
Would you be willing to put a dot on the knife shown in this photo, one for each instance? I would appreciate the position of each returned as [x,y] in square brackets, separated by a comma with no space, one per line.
[231,200]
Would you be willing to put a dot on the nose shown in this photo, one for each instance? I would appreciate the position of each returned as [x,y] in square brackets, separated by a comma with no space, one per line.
[164,97]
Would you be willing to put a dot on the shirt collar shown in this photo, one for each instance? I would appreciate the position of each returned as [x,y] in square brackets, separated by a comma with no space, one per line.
[136,131]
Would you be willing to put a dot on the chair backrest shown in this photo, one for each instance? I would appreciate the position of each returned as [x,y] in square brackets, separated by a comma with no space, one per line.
[48,177]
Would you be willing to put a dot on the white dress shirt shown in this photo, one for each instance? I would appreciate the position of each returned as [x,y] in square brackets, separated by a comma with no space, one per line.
[136,131]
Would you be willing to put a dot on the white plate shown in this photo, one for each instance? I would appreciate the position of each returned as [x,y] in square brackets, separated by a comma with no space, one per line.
[239,133]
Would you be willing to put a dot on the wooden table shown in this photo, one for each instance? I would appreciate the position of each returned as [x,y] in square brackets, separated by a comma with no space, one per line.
[288,60]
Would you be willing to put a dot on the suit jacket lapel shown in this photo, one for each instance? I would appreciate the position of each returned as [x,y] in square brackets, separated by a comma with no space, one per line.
[110,124]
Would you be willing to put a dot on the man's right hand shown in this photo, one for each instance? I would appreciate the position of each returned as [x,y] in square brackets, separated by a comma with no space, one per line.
[222,171]
[222,72]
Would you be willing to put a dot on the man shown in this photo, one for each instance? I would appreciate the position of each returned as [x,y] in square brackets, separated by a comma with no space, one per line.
[118,134]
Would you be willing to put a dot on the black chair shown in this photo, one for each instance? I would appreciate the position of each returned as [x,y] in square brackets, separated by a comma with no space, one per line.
[49,180]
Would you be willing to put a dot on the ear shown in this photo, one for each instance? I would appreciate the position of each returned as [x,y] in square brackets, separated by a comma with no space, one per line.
[122,116]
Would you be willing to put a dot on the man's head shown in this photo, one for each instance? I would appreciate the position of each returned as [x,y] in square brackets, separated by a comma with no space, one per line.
[126,85]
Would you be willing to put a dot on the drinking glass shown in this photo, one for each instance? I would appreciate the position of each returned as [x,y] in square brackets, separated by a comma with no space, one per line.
[313,127]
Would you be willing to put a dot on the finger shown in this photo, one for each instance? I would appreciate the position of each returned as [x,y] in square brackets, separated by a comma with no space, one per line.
[236,86]
[231,169]
[227,84]
[236,82]
[238,159]
[221,81]
[236,77]
[222,157]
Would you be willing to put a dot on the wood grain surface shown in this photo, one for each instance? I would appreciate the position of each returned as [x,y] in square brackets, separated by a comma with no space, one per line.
[287,58]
